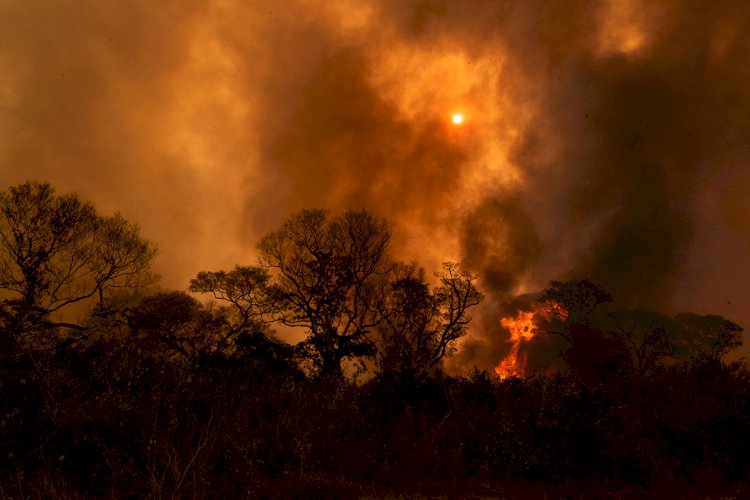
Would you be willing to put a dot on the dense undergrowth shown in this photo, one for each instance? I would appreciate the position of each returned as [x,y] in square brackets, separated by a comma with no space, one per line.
[113,419]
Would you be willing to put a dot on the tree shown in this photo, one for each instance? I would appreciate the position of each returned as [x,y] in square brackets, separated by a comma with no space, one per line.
[56,251]
[710,335]
[645,334]
[328,277]
[601,337]
[245,291]
[173,322]
[420,326]
[568,310]
[572,301]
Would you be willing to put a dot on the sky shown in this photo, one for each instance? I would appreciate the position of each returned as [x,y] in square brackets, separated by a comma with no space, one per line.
[607,140]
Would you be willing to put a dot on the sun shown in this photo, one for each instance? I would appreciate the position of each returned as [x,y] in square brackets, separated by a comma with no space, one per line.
[458,118]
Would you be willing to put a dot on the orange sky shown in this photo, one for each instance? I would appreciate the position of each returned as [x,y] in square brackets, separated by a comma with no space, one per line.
[607,139]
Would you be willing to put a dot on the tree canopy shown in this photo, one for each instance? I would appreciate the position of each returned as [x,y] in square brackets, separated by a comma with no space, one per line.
[628,339]
[421,326]
[328,277]
[56,251]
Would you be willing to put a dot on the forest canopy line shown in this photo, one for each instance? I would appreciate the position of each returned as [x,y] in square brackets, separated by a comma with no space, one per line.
[332,276]
[113,386]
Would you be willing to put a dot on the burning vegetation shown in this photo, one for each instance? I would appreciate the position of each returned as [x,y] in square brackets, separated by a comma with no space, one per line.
[113,387]
[596,151]
[522,329]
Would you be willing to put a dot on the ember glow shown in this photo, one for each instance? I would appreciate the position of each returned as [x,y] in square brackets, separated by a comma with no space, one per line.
[522,329]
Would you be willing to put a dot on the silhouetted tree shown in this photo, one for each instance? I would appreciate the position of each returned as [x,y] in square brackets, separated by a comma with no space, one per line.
[266,352]
[328,278]
[710,335]
[645,334]
[56,251]
[572,301]
[645,338]
[245,292]
[568,308]
[420,325]
[173,322]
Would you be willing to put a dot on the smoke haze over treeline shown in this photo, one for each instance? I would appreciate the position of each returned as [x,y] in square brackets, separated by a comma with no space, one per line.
[606,140]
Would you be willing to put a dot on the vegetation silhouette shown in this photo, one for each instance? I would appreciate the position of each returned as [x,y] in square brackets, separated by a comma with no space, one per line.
[154,393]
[421,326]
[328,280]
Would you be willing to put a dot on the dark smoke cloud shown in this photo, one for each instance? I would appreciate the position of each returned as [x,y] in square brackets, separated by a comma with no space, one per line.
[641,176]
[606,140]
[345,147]
[621,141]
[499,242]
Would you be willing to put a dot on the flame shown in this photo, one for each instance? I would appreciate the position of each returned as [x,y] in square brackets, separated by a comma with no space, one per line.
[522,329]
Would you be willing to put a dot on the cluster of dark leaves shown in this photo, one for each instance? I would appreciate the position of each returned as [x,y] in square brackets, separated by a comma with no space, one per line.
[110,418]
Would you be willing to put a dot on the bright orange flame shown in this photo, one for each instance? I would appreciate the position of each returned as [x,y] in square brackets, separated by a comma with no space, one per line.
[522,329]
[458,118]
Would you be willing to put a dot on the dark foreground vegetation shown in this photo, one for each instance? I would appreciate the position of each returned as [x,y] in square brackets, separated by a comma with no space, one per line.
[153,394]
[114,420]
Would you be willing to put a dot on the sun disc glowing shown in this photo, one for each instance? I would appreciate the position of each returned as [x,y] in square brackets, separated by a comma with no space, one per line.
[458,118]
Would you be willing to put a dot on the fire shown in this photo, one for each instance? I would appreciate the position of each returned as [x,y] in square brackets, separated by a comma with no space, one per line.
[522,329]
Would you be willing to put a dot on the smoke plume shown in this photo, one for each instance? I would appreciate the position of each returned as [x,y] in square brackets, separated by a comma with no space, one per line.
[602,139]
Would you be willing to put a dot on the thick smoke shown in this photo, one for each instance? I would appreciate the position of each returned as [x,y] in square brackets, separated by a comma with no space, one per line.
[606,140]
